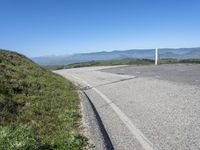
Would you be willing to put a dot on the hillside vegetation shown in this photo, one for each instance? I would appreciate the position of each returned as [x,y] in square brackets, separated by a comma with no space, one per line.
[175,53]
[38,109]
[125,61]
[113,62]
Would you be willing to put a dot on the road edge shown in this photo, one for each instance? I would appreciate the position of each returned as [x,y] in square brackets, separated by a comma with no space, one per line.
[94,128]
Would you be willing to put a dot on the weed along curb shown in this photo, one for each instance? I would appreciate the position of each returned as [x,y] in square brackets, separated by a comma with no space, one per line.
[94,128]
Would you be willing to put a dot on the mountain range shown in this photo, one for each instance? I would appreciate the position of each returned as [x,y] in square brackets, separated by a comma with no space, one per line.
[178,53]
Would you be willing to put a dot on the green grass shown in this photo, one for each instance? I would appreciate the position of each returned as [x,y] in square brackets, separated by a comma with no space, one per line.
[125,61]
[38,109]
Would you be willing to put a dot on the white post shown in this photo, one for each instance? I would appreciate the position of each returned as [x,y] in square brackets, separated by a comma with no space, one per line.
[156,56]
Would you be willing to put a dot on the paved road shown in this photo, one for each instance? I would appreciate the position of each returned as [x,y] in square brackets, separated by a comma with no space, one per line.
[187,74]
[145,107]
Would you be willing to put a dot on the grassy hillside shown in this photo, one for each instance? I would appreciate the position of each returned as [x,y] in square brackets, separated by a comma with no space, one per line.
[38,109]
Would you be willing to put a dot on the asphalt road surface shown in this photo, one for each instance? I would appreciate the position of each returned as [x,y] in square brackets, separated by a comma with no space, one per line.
[145,107]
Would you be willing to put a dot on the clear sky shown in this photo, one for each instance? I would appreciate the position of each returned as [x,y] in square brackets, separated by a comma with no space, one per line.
[46,27]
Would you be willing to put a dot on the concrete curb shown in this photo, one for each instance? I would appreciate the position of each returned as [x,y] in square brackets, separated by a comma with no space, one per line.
[94,128]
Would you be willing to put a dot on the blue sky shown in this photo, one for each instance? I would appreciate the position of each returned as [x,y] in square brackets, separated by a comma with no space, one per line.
[46,27]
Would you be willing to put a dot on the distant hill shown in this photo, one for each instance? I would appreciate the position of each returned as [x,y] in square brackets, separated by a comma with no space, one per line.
[181,53]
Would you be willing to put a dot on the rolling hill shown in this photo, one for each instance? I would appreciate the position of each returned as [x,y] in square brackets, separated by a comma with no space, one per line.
[181,53]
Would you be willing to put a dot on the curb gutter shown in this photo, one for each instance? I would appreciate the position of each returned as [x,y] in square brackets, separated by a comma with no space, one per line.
[94,128]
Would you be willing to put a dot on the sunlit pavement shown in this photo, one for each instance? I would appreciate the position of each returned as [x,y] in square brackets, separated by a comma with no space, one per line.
[145,107]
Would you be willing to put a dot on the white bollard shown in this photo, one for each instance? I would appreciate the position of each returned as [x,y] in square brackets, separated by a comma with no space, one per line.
[156,56]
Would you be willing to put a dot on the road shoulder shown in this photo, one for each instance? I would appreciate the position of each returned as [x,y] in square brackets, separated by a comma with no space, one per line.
[93,126]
